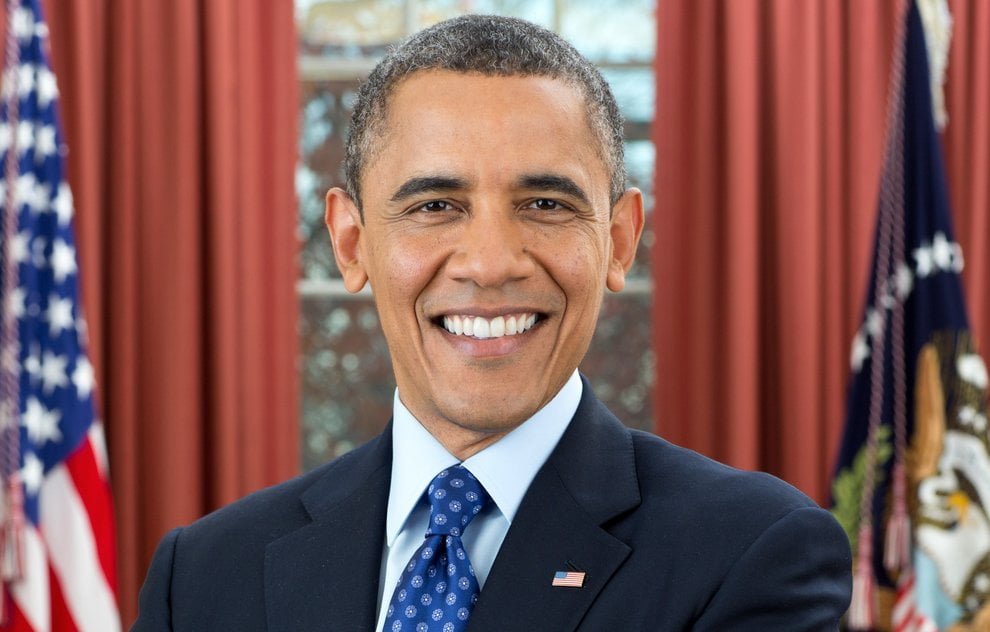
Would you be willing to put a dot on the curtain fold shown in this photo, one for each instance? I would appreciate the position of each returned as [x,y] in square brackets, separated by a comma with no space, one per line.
[181,120]
[967,154]
[769,134]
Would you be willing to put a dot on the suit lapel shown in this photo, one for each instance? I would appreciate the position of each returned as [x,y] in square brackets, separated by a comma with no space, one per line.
[589,478]
[324,576]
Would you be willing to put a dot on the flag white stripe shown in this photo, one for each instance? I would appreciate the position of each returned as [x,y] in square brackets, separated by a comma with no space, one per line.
[74,557]
[903,609]
[32,593]
[99,443]
[905,617]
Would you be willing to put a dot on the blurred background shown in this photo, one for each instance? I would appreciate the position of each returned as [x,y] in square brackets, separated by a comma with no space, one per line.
[201,136]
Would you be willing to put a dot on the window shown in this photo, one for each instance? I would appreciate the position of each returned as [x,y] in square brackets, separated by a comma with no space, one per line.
[347,382]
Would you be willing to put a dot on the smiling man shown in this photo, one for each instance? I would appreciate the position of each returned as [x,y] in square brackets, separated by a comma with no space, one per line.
[486,207]
[487,230]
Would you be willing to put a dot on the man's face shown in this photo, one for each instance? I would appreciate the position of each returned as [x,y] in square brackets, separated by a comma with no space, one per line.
[486,207]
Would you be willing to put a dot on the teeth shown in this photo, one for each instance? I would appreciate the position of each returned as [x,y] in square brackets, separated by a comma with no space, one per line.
[482,328]
[498,327]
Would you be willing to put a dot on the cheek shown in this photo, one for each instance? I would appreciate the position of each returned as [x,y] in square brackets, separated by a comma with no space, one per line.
[401,269]
[578,264]
[581,277]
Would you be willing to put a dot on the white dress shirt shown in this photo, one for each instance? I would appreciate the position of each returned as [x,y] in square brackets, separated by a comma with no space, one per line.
[505,469]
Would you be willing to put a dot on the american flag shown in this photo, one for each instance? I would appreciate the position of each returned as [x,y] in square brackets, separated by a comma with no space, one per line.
[572,579]
[58,560]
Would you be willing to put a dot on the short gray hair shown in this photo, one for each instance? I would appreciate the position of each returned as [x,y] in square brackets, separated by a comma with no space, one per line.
[494,46]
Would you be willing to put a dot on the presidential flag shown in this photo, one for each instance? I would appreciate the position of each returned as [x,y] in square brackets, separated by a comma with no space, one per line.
[912,485]
[57,559]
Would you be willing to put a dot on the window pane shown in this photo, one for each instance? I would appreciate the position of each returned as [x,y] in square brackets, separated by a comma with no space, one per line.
[325,115]
[620,360]
[610,30]
[640,156]
[347,380]
[634,92]
[349,28]
[432,11]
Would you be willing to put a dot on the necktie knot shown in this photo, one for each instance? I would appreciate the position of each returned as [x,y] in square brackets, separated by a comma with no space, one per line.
[456,497]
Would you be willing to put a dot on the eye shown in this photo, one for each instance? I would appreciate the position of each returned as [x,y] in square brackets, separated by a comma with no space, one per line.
[435,206]
[546,204]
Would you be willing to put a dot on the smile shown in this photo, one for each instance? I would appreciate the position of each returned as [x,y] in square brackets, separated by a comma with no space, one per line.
[484,328]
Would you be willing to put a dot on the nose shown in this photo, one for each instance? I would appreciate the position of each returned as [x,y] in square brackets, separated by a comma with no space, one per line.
[491,250]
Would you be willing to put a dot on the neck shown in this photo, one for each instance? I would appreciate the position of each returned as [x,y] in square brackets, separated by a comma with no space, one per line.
[462,442]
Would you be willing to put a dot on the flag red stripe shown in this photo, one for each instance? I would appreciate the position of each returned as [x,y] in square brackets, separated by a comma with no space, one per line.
[61,618]
[94,492]
[17,621]
[906,621]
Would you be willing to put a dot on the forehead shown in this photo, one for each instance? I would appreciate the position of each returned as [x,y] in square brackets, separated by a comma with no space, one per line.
[469,121]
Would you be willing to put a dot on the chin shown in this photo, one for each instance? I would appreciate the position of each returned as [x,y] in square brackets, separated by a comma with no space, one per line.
[489,415]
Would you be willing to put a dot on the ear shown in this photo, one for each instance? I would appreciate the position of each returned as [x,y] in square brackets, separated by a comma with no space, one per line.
[625,228]
[346,228]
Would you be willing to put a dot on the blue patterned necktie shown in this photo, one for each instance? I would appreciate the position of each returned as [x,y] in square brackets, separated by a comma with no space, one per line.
[438,588]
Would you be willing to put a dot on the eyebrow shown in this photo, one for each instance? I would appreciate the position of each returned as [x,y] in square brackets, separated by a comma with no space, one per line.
[554,183]
[428,184]
[549,182]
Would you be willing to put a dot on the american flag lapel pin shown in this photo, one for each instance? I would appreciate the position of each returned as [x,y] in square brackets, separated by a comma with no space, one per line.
[571,578]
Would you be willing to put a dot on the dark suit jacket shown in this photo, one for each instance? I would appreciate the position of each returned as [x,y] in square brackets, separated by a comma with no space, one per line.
[668,539]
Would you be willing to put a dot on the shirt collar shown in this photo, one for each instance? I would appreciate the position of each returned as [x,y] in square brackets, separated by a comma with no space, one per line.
[506,468]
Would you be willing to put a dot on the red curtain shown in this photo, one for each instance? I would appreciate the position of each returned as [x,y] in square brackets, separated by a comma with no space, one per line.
[181,120]
[967,154]
[769,132]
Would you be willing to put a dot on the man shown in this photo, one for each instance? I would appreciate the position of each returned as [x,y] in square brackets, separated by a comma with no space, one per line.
[486,207]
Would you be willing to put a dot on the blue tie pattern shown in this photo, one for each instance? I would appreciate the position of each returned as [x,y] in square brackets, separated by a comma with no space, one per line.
[438,588]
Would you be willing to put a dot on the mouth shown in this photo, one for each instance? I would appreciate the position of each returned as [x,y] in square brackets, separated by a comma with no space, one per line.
[482,328]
